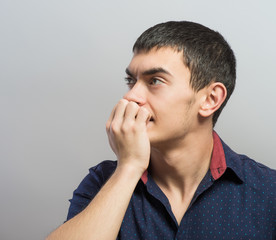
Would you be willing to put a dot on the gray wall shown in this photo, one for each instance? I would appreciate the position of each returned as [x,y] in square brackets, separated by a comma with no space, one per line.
[61,71]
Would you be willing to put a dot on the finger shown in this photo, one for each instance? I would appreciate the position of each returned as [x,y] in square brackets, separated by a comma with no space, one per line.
[143,116]
[131,111]
[120,110]
[117,113]
[111,116]
[118,116]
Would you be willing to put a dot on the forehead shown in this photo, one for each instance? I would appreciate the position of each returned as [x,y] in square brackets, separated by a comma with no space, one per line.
[165,57]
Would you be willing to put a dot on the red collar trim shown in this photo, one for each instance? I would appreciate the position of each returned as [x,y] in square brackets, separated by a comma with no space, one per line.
[144,177]
[218,162]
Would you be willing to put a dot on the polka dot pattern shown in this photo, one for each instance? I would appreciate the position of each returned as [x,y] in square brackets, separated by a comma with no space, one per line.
[240,204]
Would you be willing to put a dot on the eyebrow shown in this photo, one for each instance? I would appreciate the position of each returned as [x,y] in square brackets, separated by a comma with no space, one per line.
[150,71]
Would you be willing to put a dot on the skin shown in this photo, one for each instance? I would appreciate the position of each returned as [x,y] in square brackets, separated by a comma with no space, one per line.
[160,124]
[181,131]
[166,95]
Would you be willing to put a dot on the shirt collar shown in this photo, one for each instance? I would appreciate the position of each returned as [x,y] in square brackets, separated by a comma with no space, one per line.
[224,158]
[218,164]
[144,177]
[234,162]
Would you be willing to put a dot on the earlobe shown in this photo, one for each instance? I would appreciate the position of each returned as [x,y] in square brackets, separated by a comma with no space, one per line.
[215,95]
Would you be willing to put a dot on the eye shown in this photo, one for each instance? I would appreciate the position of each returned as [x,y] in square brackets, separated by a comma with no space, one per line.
[130,81]
[155,81]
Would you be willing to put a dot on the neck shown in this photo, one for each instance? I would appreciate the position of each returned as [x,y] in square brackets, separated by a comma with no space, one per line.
[183,166]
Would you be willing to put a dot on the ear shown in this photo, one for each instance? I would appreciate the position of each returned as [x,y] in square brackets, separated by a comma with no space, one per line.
[214,96]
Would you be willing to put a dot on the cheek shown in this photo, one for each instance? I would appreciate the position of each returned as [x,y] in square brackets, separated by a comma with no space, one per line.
[180,112]
[170,114]
[172,105]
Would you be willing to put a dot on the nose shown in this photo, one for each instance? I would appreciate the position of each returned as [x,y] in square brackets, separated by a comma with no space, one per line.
[136,94]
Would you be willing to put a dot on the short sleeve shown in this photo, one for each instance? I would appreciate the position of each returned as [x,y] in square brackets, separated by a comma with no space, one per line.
[90,186]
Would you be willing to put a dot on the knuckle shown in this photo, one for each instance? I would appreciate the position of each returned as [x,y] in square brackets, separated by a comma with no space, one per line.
[107,125]
[129,127]
[143,111]
[125,128]
[123,101]
[133,105]
[107,128]
[114,127]
[136,105]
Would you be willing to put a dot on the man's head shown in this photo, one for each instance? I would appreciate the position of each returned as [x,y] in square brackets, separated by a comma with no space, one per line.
[205,52]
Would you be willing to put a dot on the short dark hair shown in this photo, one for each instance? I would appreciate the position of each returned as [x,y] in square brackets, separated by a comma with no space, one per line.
[205,52]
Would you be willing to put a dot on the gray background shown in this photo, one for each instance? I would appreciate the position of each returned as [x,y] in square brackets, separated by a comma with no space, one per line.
[61,71]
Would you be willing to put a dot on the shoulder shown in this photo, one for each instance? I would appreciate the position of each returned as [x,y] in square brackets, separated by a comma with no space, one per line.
[90,186]
[257,174]
[96,178]
[102,171]
[251,172]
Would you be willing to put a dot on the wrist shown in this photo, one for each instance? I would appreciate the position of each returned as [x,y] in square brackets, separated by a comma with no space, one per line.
[130,172]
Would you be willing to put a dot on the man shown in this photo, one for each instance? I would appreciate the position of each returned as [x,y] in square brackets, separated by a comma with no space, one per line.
[174,178]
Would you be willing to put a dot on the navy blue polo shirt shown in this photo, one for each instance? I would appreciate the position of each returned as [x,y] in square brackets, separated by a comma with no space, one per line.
[235,200]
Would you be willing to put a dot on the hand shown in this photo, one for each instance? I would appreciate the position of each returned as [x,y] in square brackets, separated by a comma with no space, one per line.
[127,133]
